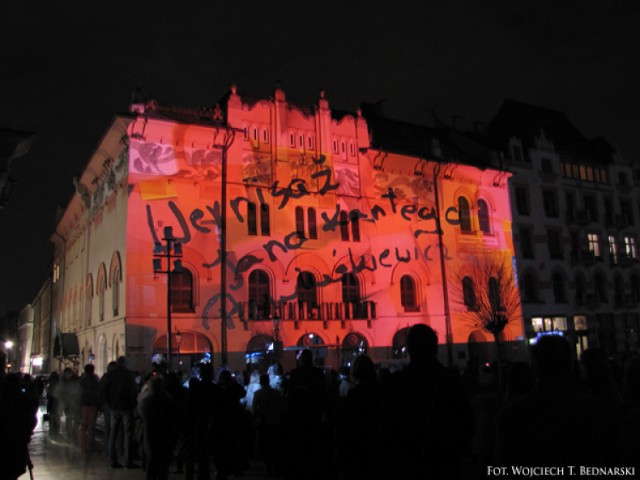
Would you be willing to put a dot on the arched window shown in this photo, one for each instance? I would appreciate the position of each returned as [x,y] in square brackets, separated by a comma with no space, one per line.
[483,217]
[351,296]
[259,295]
[355,226]
[306,289]
[252,226]
[344,226]
[557,283]
[265,219]
[115,292]
[468,293]
[300,222]
[311,221]
[88,299]
[494,294]
[408,294]
[182,291]
[102,288]
[464,215]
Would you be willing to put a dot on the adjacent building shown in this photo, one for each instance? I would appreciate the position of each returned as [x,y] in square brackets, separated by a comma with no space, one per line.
[575,210]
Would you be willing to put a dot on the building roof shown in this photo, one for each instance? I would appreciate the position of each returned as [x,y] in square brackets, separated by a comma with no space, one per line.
[526,122]
[423,141]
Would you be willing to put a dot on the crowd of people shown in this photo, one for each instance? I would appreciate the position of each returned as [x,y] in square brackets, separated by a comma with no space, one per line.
[363,422]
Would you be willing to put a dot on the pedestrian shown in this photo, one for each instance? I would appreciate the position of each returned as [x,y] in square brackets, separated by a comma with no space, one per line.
[89,405]
[121,391]
[159,420]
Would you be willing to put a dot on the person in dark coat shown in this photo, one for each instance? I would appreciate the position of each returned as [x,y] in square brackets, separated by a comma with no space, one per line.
[268,409]
[89,405]
[121,392]
[17,421]
[563,425]
[159,420]
[429,423]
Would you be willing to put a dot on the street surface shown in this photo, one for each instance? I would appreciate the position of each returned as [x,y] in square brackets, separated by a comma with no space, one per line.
[58,459]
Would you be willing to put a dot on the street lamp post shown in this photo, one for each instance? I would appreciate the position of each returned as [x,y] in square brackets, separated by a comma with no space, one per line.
[223,138]
[171,250]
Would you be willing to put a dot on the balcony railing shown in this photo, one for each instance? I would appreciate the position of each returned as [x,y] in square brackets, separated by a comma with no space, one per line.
[297,311]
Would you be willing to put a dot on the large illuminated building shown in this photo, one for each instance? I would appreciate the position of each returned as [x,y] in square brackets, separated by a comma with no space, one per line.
[319,228]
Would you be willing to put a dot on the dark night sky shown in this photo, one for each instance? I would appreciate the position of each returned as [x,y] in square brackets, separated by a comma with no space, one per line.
[69,66]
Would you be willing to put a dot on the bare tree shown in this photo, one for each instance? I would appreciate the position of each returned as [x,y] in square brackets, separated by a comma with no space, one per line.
[485,287]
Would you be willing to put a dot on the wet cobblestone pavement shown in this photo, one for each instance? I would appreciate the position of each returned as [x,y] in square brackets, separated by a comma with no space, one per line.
[58,459]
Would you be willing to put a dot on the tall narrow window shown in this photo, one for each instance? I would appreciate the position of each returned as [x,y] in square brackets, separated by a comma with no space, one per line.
[102,287]
[464,215]
[88,300]
[483,217]
[311,223]
[408,294]
[468,293]
[182,291]
[630,247]
[252,226]
[259,295]
[307,294]
[265,225]
[355,226]
[593,244]
[300,222]
[344,226]
[115,292]
[613,249]
[351,296]
[600,287]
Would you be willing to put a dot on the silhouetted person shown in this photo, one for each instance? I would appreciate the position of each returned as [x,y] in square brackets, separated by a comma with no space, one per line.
[360,443]
[17,421]
[106,409]
[555,424]
[89,405]
[429,424]
[268,409]
[69,397]
[159,421]
[631,422]
[228,453]
[308,375]
[598,380]
[53,405]
[121,392]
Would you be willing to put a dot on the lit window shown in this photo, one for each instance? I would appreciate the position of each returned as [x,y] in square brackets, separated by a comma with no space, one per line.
[593,244]
[613,249]
[580,323]
[408,294]
[630,247]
